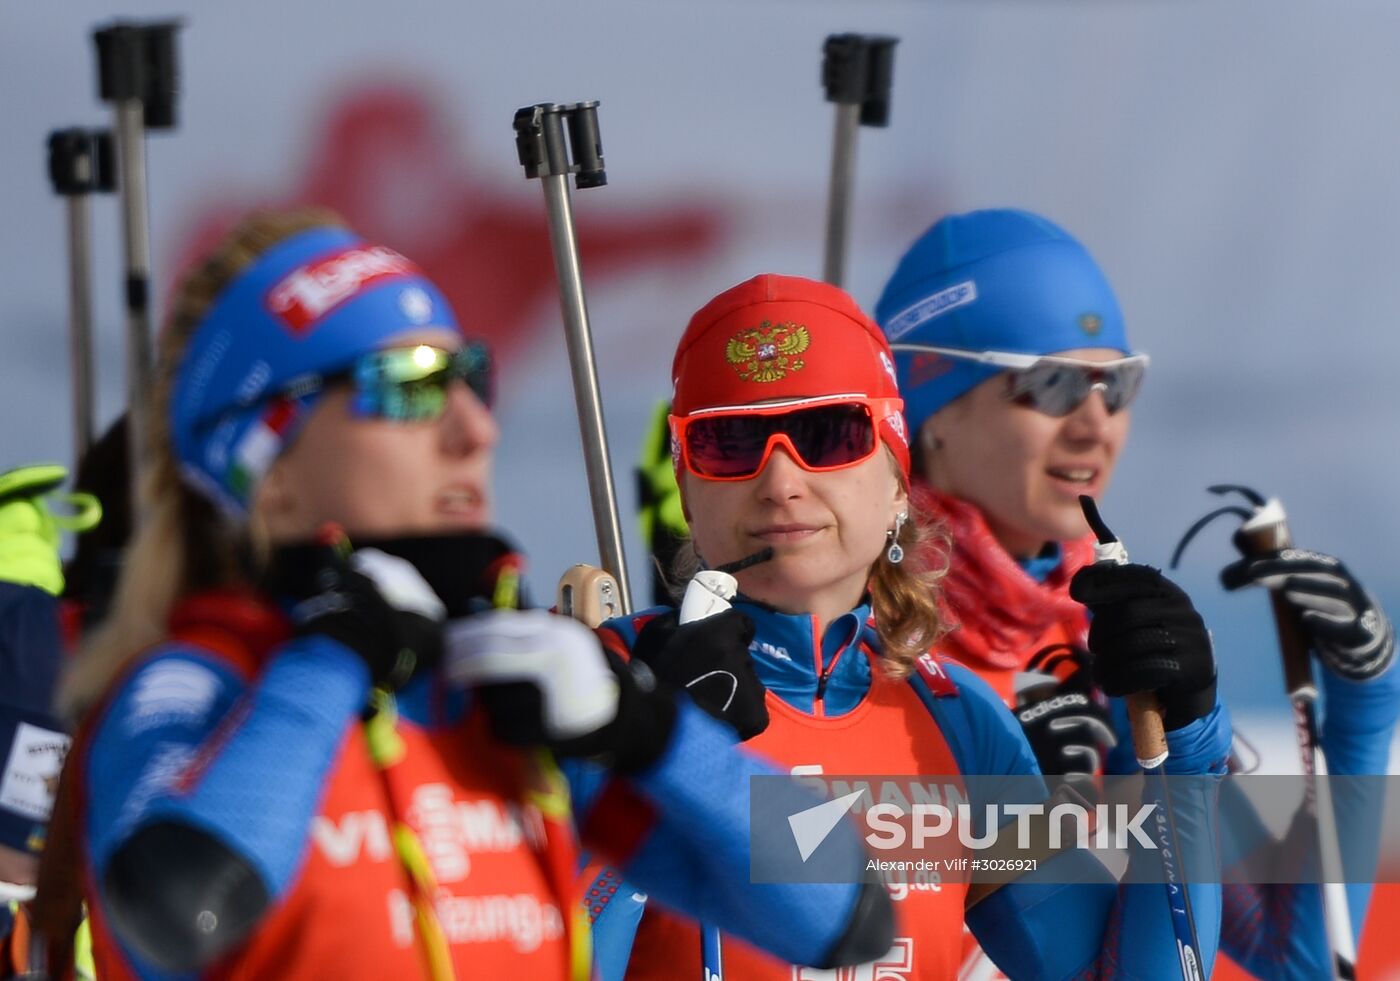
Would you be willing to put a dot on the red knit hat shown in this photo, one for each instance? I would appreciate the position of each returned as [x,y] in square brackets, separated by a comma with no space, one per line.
[778,337]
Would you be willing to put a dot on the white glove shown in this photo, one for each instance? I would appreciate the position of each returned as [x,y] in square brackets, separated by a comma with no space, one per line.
[399,582]
[560,657]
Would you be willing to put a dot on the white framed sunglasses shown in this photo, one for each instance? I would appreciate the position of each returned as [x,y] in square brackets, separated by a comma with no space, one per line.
[1050,384]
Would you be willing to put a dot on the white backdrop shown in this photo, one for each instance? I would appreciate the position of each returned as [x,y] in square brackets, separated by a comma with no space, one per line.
[1234,168]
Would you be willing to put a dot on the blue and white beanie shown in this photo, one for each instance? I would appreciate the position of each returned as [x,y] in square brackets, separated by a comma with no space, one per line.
[994,280]
[308,306]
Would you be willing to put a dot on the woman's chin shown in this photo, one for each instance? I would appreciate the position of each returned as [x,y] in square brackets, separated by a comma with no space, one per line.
[795,592]
[768,584]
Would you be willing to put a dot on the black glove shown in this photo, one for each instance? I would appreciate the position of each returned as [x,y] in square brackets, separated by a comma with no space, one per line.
[633,740]
[333,599]
[1066,722]
[471,572]
[1146,636]
[1347,629]
[710,659]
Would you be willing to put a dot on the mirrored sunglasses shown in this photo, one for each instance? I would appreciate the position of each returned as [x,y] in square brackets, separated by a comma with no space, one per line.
[1053,385]
[410,384]
[736,442]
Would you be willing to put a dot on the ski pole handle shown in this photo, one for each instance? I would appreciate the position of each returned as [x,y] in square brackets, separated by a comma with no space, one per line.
[710,590]
[1149,732]
[1267,531]
[1144,710]
[707,594]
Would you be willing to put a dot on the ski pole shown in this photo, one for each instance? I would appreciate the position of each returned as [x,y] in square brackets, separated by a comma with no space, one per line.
[80,164]
[1150,746]
[136,69]
[1265,530]
[540,142]
[857,71]
[709,594]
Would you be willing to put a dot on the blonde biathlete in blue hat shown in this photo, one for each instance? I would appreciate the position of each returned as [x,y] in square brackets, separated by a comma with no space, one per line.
[1017,376]
[299,760]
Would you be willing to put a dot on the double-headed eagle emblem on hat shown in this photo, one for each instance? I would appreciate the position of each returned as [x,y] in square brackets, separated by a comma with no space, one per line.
[767,352]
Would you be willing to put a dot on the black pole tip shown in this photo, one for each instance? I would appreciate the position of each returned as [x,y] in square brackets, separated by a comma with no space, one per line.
[757,558]
[1096,522]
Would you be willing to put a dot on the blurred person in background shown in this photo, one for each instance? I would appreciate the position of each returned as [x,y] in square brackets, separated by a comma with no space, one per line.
[33,743]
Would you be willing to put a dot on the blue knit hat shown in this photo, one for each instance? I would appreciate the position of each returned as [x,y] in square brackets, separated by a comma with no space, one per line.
[995,280]
[311,304]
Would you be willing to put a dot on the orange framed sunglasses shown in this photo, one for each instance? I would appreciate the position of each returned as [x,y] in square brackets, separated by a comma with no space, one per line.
[735,442]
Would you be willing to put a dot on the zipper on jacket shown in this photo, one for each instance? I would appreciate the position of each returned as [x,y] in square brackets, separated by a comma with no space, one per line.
[824,671]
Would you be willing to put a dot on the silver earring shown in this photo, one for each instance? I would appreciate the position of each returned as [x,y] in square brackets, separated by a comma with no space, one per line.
[895,553]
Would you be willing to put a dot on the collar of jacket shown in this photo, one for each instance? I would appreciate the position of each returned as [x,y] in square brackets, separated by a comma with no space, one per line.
[803,670]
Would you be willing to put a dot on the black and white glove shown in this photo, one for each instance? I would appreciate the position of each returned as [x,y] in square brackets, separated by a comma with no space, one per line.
[1066,719]
[1348,630]
[710,659]
[466,570]
[545,680]
[1146,636]
[375,604]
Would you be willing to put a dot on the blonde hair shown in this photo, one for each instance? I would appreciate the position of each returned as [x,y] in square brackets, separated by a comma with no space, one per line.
[183,544]
[903,596]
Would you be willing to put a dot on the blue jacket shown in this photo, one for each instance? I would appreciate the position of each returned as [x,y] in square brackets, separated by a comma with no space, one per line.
[1032,928]
[264,747]
[1276,931]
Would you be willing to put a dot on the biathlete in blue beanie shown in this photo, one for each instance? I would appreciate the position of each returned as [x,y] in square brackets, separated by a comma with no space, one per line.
[303,755]
[1018,378]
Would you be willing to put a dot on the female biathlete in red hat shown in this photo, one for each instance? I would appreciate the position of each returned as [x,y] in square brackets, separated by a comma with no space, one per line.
[251,799]
[1017,377]
[788,434]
